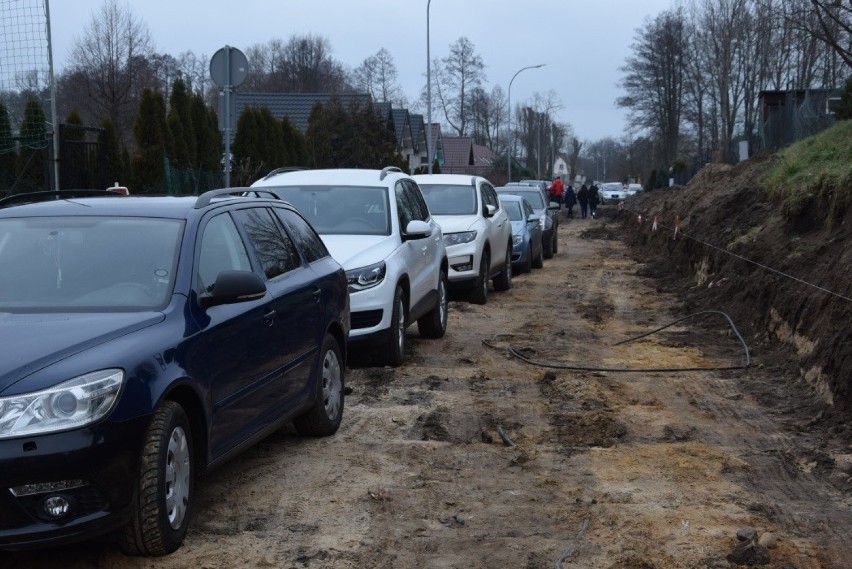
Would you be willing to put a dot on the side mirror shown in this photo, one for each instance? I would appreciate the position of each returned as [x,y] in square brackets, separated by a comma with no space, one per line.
[533,218]
[416,229]
[553,205]
[490,210]
[232,287]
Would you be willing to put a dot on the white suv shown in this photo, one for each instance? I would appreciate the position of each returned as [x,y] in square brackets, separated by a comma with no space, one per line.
[477,231]
[377,225]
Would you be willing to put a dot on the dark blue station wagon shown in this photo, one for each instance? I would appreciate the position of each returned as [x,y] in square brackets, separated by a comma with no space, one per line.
[145,340]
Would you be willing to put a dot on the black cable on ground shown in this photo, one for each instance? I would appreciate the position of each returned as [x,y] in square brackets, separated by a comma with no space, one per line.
[746,363]
[573,546]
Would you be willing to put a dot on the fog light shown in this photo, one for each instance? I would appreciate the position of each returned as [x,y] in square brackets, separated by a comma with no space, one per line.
[55,506]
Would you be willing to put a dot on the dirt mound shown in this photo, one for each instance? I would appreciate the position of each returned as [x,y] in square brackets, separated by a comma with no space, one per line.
[728,246]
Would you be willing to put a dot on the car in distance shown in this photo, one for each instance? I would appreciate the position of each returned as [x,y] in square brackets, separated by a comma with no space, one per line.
[477,231]
[546,209]
[154,338]
[611,192]
[378,226]
[527,250]
[633,189]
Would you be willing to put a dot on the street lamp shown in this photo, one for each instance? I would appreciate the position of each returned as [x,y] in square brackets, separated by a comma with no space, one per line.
[428,92]
[509,149]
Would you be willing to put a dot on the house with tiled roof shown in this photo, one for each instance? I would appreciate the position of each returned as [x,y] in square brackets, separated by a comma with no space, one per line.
[462,156]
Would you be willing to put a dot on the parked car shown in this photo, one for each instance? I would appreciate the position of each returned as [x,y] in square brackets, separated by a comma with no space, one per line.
[633,189]
[378,226]
[148,340]
[611,192]
[527,250]
[477,232]
[546,209]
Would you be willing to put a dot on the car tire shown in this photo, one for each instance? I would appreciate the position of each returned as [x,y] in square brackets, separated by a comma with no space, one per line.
[165,486]
[323,419]
[395,343]
[548,247]
[503,281]
[479,294]
[434,323]
[538,262]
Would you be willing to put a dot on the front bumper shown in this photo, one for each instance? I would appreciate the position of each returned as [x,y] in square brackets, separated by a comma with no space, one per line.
[464,260]
[92,469]
[371,309]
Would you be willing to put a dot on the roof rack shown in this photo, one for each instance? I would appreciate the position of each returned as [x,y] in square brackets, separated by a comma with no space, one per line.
[284,169]
[34,197]
[207,197]
[387,170]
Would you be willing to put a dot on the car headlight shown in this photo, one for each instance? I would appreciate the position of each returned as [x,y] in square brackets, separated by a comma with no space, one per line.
[69,405]
[459,238]
[517,239]
[366,277]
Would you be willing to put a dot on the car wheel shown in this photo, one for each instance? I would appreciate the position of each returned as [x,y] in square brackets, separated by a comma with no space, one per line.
[164,489]
[395,345]
[503,281]
[434,323]
[479,295]
[323,419]
[538,262]
[548,247]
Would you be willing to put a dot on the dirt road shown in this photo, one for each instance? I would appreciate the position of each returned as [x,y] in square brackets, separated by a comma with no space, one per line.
[467,457]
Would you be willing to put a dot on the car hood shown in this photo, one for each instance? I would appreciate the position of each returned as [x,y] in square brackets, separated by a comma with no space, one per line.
[518,227]
[34,341]
[356,251]
[456,223]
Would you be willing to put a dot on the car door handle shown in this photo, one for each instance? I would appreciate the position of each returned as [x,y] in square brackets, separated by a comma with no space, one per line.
[317,295]
[269,317]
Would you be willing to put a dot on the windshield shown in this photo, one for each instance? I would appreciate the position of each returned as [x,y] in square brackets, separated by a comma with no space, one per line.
[449,200]
[87,263]
[533,196]
[341,210]
[612,187]
[514,210]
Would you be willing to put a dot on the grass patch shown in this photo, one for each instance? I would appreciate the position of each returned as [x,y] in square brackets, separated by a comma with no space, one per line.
[814,172]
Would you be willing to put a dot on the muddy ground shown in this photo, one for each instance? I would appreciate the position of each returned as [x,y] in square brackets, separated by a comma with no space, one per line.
[469,457]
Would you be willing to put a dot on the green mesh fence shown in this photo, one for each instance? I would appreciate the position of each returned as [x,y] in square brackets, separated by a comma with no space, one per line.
[24,95]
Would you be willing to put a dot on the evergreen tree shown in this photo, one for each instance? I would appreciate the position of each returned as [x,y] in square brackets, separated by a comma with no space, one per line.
[115,170]
[74,134]
[180,126]
[150,132]
[294,141]
[32,164]
[208,141]
[327,136]
[8,152]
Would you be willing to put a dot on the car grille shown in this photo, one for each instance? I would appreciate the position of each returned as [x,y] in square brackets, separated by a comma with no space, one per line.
[366,318]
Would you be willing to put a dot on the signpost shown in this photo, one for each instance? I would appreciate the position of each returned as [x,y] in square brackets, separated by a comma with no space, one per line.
[228,69]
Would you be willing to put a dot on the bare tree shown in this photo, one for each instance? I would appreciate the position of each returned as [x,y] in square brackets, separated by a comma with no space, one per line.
[109,56]
[304,64]
[457,76]
[654,79]
[378,76]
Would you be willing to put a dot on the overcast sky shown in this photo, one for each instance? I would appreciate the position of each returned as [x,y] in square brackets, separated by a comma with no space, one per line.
[583,43]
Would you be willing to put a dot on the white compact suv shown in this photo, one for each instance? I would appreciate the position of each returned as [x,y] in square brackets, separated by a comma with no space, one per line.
[477,231]
[377,225]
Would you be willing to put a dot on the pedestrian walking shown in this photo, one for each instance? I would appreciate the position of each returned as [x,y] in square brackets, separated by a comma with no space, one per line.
[594,200]
[570,199]
[583,200]
[556,189]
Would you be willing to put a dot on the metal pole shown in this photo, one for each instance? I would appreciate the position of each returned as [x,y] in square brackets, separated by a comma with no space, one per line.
[509,100]
[227,89]
[55,125]
[428,92]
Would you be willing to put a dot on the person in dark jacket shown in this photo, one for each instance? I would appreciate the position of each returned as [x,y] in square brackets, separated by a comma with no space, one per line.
[570,199]
[583,200]
[594,200]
